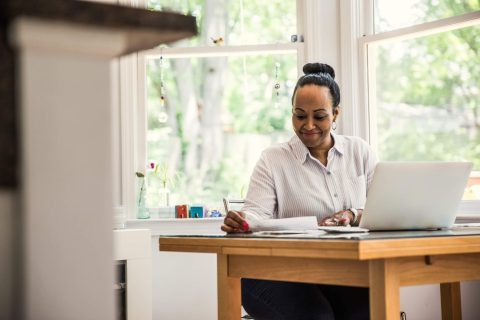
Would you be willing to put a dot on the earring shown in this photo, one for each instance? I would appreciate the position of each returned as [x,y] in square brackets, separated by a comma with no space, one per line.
[334,125]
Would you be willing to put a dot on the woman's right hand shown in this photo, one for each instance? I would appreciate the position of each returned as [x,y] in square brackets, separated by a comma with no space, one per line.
[235,222]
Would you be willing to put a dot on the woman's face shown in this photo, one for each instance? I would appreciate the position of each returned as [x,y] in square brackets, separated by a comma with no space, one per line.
[312,115]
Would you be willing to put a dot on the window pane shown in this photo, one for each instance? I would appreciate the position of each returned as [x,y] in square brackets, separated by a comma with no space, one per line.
[428,99]
[393,14]
[236,22]
[220,113]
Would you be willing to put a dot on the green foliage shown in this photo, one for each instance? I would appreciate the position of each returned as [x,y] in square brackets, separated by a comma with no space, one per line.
[249,22]
[248,100]
[250,97]
[440,71]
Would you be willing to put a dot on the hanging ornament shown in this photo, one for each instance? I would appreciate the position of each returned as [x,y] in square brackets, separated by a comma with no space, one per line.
[277,84]
[162,89]
[162,116]
[276,87]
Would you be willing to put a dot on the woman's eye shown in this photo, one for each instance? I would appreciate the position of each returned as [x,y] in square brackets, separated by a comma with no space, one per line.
[300,117]
[320,118]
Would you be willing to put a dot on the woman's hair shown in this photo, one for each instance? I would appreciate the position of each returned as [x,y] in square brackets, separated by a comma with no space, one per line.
[319,74]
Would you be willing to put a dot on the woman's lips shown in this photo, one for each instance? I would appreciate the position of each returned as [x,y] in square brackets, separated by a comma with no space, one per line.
[310,133]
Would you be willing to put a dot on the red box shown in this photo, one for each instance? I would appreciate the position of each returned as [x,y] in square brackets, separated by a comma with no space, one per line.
[181,211]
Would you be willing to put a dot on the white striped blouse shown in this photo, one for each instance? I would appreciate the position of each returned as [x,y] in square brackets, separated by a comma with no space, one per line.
[289,182]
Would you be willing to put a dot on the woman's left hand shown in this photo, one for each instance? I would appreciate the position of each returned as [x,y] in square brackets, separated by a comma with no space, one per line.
[341,218]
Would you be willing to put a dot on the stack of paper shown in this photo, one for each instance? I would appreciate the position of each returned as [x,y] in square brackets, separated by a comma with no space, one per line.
[298,223]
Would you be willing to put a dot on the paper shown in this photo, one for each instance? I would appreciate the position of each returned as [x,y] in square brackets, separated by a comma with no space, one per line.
[290,233]
[306,234]
[298,223]
[342,229]
[283,232]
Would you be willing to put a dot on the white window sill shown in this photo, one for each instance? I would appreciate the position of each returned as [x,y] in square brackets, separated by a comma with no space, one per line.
[469,212]
[178,226]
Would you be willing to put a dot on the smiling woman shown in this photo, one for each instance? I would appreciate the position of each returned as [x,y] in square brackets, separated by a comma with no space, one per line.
[315,100]
[317,173]
[311,123]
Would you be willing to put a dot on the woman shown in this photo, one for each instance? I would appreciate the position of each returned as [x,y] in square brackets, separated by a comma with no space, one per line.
[316,173]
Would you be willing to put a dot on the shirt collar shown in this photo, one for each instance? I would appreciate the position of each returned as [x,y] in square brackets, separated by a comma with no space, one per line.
[301,152]
[338,143]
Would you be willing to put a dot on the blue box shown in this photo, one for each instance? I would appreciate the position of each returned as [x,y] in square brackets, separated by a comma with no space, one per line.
[196,211]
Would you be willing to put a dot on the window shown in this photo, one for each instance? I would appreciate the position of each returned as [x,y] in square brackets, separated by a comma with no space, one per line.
[424,83]
[220,105]
[390,15]
[238,22]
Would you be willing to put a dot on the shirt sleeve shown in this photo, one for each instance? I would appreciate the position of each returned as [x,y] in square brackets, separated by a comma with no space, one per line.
[370,161]
[261,200]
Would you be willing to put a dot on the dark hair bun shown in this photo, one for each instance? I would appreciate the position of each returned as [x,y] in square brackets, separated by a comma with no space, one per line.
[310,68]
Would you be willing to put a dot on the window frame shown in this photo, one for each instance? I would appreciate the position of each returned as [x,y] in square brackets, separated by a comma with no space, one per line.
[366,37]
[133,88]
[344,27]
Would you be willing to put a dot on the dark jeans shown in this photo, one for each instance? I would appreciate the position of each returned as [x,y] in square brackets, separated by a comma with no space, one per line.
[278,300]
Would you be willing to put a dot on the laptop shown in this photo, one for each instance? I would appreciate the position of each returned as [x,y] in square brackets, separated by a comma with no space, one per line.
[415,195]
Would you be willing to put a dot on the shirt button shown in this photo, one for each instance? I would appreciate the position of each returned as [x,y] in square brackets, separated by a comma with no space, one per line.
[329,172]
[335,195]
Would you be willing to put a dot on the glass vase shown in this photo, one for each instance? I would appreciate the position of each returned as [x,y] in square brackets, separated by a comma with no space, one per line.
[142,211]
[164,197]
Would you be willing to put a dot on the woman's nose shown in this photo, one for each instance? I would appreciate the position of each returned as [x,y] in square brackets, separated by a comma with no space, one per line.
[309,125]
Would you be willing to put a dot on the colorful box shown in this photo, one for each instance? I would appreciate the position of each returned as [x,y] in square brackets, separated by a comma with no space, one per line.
[215,214]
[196,211]
[181,211]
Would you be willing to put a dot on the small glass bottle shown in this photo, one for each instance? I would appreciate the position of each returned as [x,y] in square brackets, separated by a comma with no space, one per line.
[164,197]
[142,211]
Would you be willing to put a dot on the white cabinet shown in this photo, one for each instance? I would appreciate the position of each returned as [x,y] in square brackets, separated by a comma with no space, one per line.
[134,247]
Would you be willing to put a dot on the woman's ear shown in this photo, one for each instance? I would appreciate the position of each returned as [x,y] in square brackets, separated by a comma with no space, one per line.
[336,113]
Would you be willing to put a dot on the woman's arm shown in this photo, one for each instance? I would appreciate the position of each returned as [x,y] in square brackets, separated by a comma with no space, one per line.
[261,199]
[260,202]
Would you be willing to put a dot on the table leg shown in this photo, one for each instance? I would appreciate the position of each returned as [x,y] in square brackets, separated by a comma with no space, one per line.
[384,290]
[451,301]
[228,290]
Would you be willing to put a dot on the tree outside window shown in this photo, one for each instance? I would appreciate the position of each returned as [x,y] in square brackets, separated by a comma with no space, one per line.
[220,110]
[428,92]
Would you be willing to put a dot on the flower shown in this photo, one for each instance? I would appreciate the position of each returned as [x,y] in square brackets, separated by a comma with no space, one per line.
[161,171]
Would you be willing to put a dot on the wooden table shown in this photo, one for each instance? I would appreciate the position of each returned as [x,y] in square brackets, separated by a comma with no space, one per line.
[382,261]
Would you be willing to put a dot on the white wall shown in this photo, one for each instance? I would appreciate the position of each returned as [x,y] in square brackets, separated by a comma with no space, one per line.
[184,285]
[423,302]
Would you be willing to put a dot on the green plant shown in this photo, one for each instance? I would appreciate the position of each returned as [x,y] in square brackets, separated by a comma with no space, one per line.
[140,175]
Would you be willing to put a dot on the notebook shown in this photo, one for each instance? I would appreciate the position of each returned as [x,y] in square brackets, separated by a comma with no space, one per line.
[415,195]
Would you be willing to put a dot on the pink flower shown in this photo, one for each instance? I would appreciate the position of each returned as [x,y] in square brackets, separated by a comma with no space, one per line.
[152,165]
